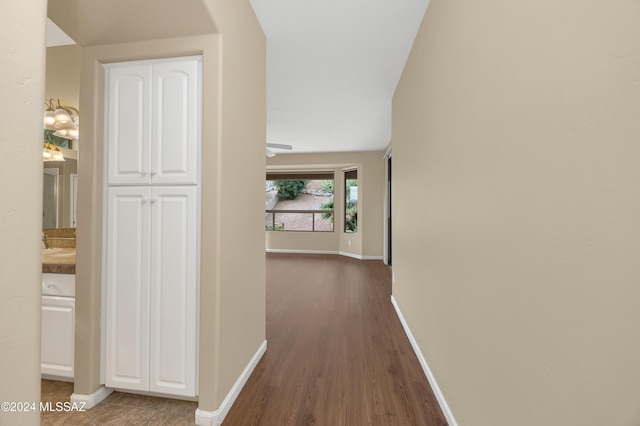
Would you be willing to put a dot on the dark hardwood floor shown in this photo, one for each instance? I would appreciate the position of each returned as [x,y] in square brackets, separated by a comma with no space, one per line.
[337,353]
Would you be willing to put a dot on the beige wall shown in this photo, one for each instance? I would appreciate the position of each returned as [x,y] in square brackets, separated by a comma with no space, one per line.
[62,83]
[22,86]
[515,143]
[238,174]
[65,170]
[367,243]
[232,295]
[63,74]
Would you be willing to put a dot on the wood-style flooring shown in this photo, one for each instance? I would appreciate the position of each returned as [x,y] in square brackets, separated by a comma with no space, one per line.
[337,353]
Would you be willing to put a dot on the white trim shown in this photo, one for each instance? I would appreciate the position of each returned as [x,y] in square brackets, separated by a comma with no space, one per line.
[57,378]
[387,203]
[92,400]
[291,251]
[357,256]
[387,153]
[339,253]
[215,418]
[423,362]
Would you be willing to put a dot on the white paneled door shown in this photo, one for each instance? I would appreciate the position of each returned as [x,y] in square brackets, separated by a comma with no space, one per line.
[152,289]
[175,112]
[127,281]
[152,225]
[153,131]
[173,293]
[128,125]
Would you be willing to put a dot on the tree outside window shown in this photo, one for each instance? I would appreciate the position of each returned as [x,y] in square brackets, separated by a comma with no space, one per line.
[351,201]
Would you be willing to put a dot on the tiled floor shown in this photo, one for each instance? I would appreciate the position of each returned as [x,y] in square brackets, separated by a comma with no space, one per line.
[117,409]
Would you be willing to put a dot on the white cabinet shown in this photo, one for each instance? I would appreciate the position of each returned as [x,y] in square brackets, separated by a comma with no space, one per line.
[153,122]
[152,289]
[58,315]
[152,226]
[58,325]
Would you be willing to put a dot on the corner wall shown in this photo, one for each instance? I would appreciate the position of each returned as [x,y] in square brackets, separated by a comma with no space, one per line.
[232,296]
[22,62]
[241,297]
[515,143]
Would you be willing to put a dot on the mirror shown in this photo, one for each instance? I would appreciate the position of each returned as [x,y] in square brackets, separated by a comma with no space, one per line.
[59,191]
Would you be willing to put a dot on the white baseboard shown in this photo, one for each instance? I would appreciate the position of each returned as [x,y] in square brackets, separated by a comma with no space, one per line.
[57,378]
[215,418]
[92,400]
[341,253]
[357,256]
[423,362]
[288,251]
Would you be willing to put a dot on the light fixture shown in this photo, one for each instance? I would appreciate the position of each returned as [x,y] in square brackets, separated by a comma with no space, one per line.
[63,120]
[51,153]
[270,153]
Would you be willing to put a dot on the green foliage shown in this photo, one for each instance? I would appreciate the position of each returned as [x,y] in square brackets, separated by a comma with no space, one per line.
[290,189]
[327,186]
[49,137]
[351,208]
[278,227]
[351,218]
[327,206]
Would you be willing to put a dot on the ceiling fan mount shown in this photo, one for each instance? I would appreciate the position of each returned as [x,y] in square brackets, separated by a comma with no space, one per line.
[270,153]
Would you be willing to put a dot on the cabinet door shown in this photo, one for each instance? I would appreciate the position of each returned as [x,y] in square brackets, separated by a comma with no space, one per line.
[174,270]
[127,280]
[58,316]
[175,120]
[128,124]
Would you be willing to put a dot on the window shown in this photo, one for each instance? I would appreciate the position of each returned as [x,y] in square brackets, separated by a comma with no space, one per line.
[351,201]
[299,202]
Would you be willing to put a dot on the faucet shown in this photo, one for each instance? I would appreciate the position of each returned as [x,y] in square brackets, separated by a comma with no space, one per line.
[44,240]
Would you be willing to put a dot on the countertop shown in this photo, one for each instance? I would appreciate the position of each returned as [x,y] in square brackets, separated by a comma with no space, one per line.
[59,260]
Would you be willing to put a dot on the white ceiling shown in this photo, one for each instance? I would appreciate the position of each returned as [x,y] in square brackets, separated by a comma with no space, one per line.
[332,65]
[55,36]
[332,69]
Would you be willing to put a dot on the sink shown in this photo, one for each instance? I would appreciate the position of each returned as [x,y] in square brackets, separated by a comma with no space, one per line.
[52,250]
[56,255]
[64,254]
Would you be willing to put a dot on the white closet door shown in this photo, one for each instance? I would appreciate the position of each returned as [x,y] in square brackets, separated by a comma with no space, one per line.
[176,109]
[127,278]
[128,131]
[173,316]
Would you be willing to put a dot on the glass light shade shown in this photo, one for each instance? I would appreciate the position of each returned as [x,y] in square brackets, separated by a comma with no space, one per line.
[51,153]
[68,125]
[73,134]
[62,115]
[49,118]
[61,133]
[57,156]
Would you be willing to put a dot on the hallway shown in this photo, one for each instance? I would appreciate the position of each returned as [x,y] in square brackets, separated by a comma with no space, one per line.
[337,353]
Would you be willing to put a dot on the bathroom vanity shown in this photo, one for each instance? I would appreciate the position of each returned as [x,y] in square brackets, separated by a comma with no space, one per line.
[58,309]
[58,325]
